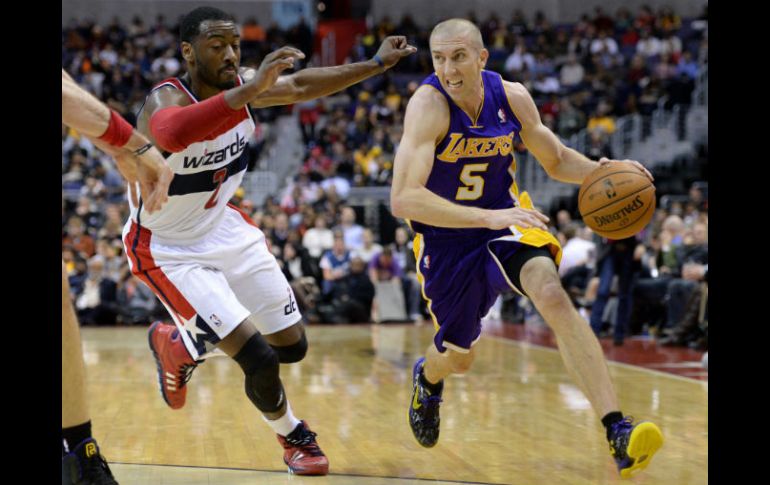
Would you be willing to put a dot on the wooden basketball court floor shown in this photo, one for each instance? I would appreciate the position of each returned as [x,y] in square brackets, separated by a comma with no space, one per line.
[516,418]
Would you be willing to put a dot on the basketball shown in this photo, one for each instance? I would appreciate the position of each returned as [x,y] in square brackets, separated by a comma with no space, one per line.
[616,200]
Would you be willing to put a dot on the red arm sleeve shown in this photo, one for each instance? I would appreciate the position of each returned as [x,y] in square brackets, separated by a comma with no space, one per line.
[176,127]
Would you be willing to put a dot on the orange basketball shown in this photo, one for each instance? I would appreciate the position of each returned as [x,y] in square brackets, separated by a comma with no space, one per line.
[616,200]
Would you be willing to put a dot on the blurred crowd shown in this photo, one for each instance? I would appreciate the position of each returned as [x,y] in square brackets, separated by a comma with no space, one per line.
[582,75]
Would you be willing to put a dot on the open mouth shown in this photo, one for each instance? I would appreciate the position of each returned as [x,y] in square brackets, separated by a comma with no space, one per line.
[454,84]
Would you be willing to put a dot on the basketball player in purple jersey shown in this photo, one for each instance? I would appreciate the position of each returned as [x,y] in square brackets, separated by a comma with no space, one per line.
[478,236]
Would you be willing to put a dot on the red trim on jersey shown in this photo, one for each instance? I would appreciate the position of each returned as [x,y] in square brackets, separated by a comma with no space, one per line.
[177,84]
[243,214]
[151,274]
[250,221]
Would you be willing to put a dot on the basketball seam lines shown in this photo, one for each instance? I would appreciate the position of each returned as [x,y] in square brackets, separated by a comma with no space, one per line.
[613,173]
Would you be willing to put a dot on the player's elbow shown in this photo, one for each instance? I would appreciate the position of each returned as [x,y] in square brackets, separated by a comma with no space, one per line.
[397,206]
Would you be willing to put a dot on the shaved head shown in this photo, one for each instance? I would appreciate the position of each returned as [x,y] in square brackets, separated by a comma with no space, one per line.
[453,28]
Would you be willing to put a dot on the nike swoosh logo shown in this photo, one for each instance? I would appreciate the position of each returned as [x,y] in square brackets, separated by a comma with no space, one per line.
[416,403]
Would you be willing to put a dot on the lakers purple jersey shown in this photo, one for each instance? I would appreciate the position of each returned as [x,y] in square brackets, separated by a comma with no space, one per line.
[474,163]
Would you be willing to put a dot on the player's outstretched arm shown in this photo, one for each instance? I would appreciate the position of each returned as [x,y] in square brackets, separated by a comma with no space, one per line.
[173,123]
[317,82]
[559,161]
[137,160]
[425,123]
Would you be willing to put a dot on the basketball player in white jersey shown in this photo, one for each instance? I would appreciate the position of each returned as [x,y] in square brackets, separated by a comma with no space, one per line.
[205,260]
[82,463]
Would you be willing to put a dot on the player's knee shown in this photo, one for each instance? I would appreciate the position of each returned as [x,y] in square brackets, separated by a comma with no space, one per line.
[551,298]
[261,368]
[462,364]
[295,352]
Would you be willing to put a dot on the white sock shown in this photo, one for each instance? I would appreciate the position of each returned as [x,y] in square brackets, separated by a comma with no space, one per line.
[285,424]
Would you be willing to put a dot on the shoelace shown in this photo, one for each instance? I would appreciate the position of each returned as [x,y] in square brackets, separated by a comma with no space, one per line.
[431,401]
[623,424]
[306,442]
[430,404]
[186,372]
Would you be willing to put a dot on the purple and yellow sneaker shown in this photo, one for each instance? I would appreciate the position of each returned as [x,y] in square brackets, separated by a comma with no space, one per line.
[633,445]
[423,411]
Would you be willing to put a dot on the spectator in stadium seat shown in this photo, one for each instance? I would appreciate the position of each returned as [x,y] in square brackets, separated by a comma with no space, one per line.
[302,273]
[519,60]
[648,45]
[692,258]
[615,257]
[136,303]
[97,302]
[78,239]
[577,265]
[571,119]
[671,44]
[687,66]
[572,73]
[602,118]
[280,233]
[370,248]
[671,237]
[383,268]
[252,31]
[318,238]
[403,254]
[604,44]
[353,232]
[334,264]
[353,296]
[665,70]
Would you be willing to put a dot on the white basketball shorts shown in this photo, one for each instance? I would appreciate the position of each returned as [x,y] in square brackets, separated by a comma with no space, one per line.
[212,285]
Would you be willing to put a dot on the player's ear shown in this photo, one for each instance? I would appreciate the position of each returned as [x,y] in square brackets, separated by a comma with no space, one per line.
[187,52]
[483,57]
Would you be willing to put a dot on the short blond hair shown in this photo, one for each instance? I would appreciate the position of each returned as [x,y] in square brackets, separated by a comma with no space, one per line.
[457,27]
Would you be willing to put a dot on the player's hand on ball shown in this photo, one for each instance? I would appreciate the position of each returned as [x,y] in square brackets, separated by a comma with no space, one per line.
[394,48]
[524,218]
[605,161]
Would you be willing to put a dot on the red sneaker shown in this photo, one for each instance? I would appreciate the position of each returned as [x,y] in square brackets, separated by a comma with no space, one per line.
[175,365]
[301,452]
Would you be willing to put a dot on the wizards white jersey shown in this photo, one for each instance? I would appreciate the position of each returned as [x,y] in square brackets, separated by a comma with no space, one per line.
[206,176]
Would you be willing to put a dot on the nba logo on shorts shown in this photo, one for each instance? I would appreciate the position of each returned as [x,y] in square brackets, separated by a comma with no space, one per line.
[215,319]
[426,261]
[501,115]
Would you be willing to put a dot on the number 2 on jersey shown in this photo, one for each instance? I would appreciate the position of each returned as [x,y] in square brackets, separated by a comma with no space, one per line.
[474,184]
[219,178]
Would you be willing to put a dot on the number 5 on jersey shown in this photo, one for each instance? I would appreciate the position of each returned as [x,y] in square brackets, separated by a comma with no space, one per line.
[474,184]
[219,177]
